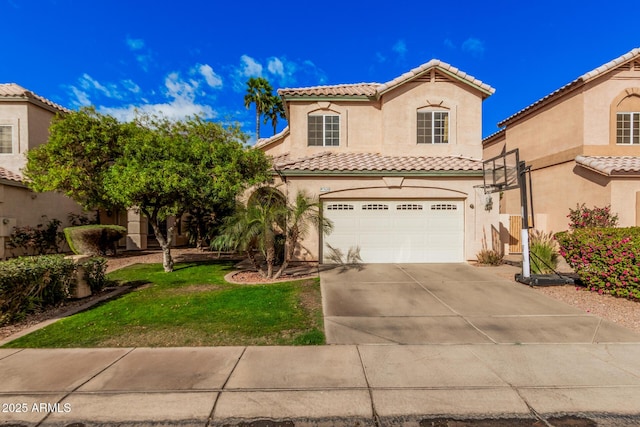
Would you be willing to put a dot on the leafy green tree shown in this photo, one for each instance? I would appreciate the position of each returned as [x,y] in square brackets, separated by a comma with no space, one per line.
[259,92]
[82,144]
[275,112]
[159,167]
[168,168]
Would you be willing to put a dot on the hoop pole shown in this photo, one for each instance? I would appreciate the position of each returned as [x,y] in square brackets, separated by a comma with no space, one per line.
[524,233]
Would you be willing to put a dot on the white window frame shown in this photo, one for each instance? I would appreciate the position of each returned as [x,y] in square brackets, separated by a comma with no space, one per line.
[11,137]
[330,130]
[634,128]
[433,134]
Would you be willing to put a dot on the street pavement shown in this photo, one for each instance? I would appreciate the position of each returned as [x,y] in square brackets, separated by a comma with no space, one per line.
[484,359]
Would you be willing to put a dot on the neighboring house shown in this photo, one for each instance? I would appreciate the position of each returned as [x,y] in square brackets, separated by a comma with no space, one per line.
[24,124]
[395,165]
[583,145]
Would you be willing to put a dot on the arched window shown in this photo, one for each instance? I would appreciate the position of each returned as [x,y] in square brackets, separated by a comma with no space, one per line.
[323,129]
[433,126]
[627,119]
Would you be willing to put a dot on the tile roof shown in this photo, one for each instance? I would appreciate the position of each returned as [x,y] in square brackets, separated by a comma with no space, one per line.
[611,165]
[262,142]
[14,92]
[10,176]
[597,72]
[357,89]
[375,90]
[347,162]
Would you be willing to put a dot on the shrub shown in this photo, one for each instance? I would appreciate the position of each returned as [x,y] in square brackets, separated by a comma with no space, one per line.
[94,239]
[38,240]
[95,273]
[29,283]
[607,260]
[583,217]
[543,252]
[489,257]
[80,219]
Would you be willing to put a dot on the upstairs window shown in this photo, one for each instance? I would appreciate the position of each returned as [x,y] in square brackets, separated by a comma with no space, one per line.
[628,128]
[433,127]
[324,130]
[6,139]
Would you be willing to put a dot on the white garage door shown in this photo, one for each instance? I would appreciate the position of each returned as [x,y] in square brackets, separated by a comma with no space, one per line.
[400,231]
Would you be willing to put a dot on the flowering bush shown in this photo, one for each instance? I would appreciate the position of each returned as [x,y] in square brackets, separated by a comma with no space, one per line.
[583,217]
[607,260]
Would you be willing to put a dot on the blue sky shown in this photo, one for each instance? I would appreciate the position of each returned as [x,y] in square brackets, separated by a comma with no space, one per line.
[191,56]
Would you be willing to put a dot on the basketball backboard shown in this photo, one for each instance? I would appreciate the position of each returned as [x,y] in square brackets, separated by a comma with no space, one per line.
[501,172]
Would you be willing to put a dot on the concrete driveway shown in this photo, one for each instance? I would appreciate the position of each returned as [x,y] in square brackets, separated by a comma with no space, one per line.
[449,304]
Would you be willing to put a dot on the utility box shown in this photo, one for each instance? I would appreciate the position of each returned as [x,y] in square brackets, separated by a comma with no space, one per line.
[6,226]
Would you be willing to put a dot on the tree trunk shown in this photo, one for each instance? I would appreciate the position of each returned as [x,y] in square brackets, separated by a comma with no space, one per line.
[257,123]
[165,243]
[291,243]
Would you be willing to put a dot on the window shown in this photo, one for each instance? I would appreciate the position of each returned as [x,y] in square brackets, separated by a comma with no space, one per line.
[444,207]
[433,127]
[409,207]
[375,207]
[628,128]
[6,139]
[324,130]
[339,207]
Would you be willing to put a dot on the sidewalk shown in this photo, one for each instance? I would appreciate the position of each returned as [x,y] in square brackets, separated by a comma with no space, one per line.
[349,385]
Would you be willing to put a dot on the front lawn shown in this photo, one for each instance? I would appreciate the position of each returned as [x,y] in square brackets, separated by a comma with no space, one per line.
[193,306]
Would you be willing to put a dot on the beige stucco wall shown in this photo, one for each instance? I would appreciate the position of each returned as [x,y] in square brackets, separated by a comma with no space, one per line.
[17,116]
[580,122]
[625,195]
[478,221]
[20,207]
[556,189]
[389,126]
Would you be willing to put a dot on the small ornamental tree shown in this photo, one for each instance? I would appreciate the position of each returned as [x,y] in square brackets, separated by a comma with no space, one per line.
[169,167]
[159,167]
[81,146]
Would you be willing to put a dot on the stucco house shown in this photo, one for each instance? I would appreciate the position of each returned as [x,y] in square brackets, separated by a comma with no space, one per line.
[24,124]
[395,165]
[582,142]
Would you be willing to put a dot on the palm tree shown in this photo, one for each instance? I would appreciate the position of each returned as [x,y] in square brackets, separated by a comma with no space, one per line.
[257,225]
[275,111]
[254,227]
[300,216]
[259,93]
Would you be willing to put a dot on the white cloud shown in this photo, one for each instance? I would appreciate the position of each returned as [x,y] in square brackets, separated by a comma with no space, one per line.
[400,47]
[82,97]
[473,46]
[210,76]
[276,67]
[110,90]
[135,44]
[449,43]
[131,86]
[174,110]
[250,67]
[181,102]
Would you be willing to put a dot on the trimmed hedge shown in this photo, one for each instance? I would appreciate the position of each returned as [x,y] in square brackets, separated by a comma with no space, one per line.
[31,283]
[607,260]
[94,239]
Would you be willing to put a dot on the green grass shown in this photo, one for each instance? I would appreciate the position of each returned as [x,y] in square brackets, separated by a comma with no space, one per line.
[193,306]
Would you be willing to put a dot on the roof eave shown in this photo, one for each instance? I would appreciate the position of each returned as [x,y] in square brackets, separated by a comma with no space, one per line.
[316,98]
[363,173]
